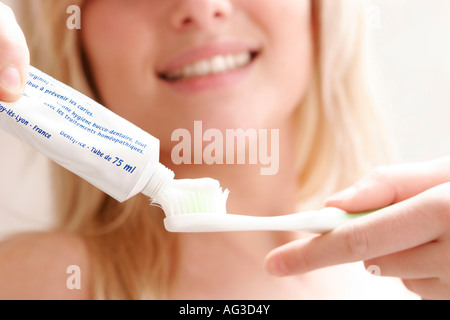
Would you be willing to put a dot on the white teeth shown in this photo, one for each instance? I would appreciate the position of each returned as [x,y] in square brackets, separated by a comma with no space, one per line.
[215,65]
[242,59]
[230,61]
[218,64]
[201,67]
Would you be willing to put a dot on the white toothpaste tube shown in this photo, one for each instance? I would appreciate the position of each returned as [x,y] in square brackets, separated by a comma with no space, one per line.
[85,138]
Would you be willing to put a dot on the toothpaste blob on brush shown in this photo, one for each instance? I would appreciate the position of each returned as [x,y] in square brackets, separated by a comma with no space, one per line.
[192,196]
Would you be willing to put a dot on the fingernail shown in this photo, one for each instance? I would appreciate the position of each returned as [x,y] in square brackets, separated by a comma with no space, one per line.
[10,80]
[342,195]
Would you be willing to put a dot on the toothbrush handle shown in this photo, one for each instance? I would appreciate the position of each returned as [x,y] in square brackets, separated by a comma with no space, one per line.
[320,221]
[309,221]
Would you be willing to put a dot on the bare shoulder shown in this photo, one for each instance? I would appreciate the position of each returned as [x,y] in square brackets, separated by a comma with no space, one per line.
[44,266]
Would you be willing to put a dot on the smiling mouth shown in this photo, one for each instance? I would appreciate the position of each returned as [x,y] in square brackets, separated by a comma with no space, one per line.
[217,64]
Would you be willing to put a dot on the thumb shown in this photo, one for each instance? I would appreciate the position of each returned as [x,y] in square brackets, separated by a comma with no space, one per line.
[14,56]
[391,184]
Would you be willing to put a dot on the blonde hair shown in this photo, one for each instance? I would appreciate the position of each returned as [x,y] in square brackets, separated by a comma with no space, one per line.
[132,257]
[340,132]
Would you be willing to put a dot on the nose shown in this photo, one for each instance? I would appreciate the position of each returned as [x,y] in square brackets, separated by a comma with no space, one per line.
[199,13]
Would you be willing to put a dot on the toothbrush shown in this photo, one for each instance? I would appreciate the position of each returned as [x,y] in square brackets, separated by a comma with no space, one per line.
[197,206]
[319,221]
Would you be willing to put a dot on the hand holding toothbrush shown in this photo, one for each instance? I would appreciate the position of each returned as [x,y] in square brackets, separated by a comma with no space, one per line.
[14,56]
[408,239]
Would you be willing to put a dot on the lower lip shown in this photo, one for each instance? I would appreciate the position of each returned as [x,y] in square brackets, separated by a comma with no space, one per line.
[211,82]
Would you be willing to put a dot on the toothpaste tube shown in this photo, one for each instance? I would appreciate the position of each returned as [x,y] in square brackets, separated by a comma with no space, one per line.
[85,138]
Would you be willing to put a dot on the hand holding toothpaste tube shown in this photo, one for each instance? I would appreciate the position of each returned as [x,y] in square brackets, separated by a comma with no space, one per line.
[14,56]
[409,239]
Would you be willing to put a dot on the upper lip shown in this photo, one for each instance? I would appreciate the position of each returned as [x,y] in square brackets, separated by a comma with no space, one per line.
[204,52]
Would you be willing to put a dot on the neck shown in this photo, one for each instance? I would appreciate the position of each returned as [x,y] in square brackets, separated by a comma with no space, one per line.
[252,192]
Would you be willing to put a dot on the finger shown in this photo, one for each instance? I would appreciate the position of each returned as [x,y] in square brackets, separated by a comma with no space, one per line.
[431,289]
[418,263]
[388,185]
[399,227]
[14,56]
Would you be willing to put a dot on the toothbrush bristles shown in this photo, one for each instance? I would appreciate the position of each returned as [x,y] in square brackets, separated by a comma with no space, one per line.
[192,196]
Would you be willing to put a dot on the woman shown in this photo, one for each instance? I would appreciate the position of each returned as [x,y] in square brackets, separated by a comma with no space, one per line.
[301,72]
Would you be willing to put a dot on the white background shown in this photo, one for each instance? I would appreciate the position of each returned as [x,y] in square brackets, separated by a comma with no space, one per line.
[411,42]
